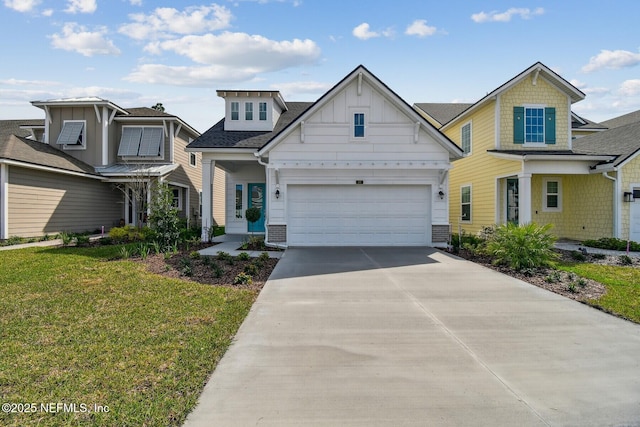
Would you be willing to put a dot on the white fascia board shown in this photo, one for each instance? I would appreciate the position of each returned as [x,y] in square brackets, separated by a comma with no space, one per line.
[80,102]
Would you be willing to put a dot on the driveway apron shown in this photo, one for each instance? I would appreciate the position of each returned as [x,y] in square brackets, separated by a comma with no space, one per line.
[414,336]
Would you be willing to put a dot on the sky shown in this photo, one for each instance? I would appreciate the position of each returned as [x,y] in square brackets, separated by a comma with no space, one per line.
[139,52]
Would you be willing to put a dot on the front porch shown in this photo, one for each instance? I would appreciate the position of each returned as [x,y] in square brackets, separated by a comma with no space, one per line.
[230,243]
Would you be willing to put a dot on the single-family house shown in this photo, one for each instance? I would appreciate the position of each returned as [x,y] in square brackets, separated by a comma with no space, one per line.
[528,158]
[88,164]
[359,166]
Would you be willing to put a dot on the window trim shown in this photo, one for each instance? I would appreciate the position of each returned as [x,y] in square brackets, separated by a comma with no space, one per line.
[194,163]
[173,198]
[138,158]
[470,124]
[235,113]
[248,111]
[545,194]
[470,203]
[260,112]
[235,208]
[524,117]
[355,126]
[83,135]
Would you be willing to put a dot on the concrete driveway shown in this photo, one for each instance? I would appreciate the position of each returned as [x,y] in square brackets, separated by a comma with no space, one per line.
[413,336]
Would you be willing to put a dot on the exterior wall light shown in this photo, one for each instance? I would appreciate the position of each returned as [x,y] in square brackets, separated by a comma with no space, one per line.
[277,193]
[441,194]
[628,196]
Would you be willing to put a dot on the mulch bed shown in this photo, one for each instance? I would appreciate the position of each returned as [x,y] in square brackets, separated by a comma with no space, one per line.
[560,282]
[202,271]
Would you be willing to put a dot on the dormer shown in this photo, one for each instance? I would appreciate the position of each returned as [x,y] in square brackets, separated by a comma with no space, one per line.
[252,110]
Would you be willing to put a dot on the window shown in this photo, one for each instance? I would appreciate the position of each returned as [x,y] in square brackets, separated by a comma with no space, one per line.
[141,142]
[248,110]
[534,125]
[239,201]
[465,138]
[235,111]
[552,195]
[177,199]
[72,135]
[263,111]
[193,159]
[465,203]
[358,125]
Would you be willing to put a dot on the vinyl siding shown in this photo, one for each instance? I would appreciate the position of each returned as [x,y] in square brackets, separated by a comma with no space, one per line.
[48,203]
[479,170]
[587,207]
[630,177]
[542,93]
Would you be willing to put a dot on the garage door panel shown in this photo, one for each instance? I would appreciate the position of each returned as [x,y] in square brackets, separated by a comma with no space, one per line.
[354,215]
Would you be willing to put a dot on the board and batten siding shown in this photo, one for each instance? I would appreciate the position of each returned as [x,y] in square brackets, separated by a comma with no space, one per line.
[48,203]
[478,170]
[92,154]
[389,139]
[245,174]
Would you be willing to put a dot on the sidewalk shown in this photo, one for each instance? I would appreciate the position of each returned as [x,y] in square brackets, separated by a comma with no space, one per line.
[230,243]
[569,245]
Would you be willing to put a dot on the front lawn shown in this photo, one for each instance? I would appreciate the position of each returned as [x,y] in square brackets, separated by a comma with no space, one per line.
[623,287]
[78,330]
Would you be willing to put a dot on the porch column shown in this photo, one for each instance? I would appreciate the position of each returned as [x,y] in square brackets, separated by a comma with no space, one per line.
[524,198]
[4,201]
[208,168]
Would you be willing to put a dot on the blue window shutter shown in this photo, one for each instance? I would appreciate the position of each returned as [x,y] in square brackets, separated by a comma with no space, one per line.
[518,125]
[550,125]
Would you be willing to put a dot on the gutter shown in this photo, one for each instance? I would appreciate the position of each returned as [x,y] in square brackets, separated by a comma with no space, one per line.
[616,202]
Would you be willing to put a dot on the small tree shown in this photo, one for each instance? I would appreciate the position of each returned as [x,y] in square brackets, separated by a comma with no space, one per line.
[252,214]
[158,107]
[164,218]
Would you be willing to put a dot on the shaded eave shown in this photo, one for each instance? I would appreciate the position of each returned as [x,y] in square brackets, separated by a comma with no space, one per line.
[539,70]
[561,155]
[72,102]
[273,94]
[362,72]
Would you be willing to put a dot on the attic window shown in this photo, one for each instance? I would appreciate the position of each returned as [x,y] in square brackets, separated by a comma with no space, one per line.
[263,111]
[72,134]
[141,142]
[235,111]
[358,125]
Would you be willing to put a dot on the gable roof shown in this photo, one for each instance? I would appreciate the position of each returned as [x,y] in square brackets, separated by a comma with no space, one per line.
[15,127]
[362,72]
[622,120]
[36,153]
[442,112]
[622,141]
[580,123]
[538,69]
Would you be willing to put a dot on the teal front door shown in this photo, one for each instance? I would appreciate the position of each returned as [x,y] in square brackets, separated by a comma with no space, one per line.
[257,199]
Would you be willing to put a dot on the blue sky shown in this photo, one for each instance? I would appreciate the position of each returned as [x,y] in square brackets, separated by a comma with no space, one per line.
[139,52]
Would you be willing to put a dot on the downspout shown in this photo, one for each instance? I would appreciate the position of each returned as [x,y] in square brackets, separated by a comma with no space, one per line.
[616,209]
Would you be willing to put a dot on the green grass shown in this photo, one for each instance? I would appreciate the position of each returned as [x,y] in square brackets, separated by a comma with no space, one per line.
[76,328]
[622,283]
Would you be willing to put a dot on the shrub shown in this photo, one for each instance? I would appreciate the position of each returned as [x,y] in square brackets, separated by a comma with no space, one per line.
[467,241]
[571,287]
[67,238]
[243,256]
[578,256]
[554,277]
[82,240]
[251,269]
[625,260]
[598,255]
[243,279]
[217,270]
[524,246]
[194,255]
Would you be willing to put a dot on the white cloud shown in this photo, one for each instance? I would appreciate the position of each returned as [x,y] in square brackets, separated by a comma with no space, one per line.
[189,76]
[630,87]
[295,88]
[21,5]
[20,82]
[363,32]
[47,12]
[135,2]
[77,38]
[243,50]
[584,87]
[81,6]
[420,28]
[612,59]
[495,16]
[165,21]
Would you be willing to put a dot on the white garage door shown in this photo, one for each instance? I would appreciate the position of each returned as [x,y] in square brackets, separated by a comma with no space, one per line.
[358,215]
